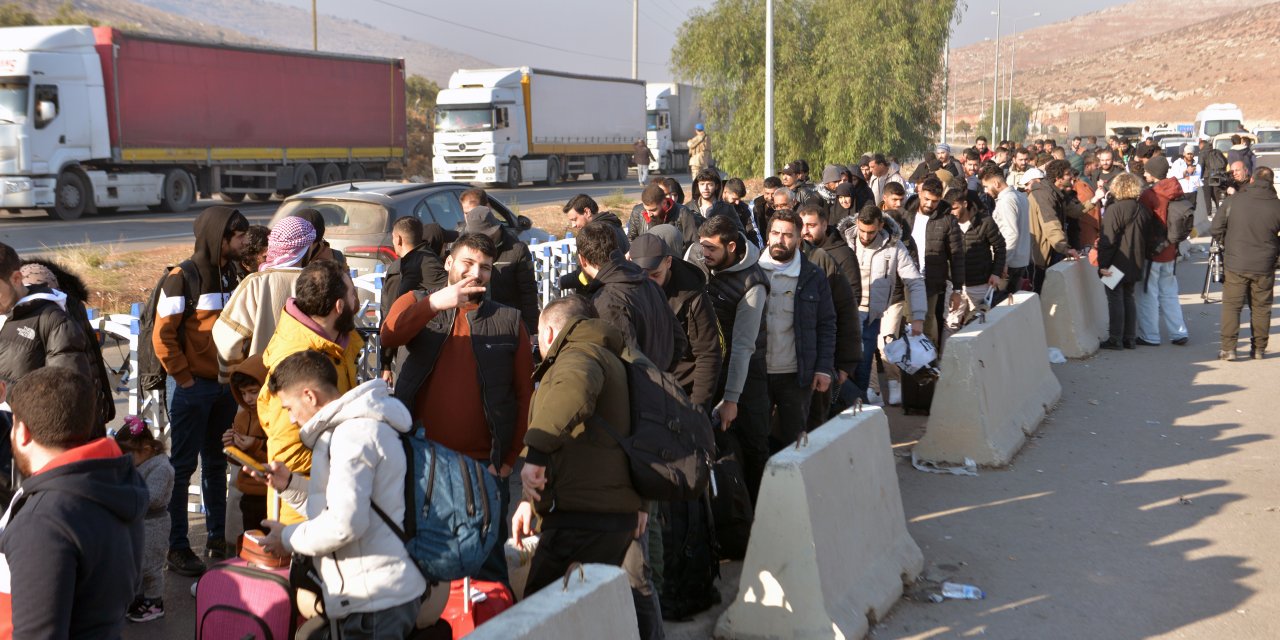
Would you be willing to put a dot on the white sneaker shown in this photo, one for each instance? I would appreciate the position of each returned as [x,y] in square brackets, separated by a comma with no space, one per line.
[193,589]
[895,393]
[873,397]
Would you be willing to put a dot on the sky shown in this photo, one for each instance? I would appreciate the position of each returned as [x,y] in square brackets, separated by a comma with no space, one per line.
[594,36]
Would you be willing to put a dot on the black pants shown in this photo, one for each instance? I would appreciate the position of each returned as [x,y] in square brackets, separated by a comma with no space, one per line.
[253,510]
[791,401]
[1014,285]
[1256,290]
[1122,310]
[751,428]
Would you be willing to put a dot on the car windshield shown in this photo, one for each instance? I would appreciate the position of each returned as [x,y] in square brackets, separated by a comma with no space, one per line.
[1269,137]
[1214,127]
[13,99]
[342,217]
[464,119]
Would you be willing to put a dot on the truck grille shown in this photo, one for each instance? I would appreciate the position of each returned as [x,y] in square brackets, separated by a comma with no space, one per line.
[462,159]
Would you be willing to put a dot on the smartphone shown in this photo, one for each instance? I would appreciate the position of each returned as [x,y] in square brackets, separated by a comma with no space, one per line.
[237,456]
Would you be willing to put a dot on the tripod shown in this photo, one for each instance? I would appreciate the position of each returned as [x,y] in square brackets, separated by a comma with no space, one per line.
[1213,271]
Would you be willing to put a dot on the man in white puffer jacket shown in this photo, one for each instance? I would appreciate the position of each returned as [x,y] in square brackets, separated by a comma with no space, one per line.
[371,587]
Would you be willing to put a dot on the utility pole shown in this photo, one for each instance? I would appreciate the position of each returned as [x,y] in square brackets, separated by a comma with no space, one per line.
[315,38]
[946,87]
[1008,121]
[768,88]
[995,85]
[635,39]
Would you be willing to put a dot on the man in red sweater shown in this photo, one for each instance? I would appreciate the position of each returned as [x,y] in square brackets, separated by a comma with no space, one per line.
[1158,296]
[468,375]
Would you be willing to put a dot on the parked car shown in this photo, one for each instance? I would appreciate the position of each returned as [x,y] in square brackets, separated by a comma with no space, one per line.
[1268,140]
[1172,147]
[358,215]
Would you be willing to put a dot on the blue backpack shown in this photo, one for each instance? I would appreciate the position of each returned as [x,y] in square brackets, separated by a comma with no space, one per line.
[451,510]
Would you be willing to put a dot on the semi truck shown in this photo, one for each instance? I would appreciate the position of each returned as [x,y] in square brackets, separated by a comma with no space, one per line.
[506,126]
[94,118]
[673,111]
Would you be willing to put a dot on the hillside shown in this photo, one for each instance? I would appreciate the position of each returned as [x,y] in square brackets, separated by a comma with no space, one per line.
[286,26]
[134,16]
[1144,61]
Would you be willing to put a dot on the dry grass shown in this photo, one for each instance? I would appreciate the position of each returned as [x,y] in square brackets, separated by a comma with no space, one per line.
[115,278]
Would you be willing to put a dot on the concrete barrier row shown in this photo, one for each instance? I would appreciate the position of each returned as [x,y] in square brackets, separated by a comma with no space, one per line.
[1074,302]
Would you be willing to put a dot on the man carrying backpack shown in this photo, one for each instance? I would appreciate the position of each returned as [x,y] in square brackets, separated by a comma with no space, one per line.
[576,476]
[201,408]
[371,588]
[1158,297]
[467,377]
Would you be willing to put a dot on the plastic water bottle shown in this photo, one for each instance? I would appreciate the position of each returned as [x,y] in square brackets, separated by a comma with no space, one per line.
[959,591]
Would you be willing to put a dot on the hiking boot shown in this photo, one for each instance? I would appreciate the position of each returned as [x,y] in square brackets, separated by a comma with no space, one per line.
[184,563]
[145,610]
[216,549]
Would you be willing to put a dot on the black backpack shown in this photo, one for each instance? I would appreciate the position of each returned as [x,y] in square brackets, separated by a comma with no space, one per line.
[151,373]
[690,563]
[1181,219]
[1155,235]
[671,441]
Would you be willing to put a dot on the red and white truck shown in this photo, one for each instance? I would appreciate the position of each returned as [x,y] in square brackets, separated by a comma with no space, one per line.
[94,118]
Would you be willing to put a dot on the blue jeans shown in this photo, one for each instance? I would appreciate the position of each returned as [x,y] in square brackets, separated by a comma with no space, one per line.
[870,333]
[1158,303]
[198,416]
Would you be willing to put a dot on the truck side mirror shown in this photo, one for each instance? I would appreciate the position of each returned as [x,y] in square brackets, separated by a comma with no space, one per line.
[46,111]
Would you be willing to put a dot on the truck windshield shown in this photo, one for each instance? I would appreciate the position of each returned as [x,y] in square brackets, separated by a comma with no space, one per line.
[13,99]
[464,119]
[1214,127]
[652,123]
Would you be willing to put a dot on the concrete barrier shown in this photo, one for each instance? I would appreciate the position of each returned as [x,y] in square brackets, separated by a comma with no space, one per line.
[596,604]
[995,387]
[833,553]
[1074,302]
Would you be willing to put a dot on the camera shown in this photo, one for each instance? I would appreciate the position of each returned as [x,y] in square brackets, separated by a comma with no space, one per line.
[1221,180]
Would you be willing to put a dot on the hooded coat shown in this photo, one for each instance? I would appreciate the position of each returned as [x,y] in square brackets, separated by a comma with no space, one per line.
[1122,243]
[683,218]
[738,294]
[72,546]
[195,354]
[627,299]
[359,461]
[1157,200]
[38,332]
[246,423]
[698,365]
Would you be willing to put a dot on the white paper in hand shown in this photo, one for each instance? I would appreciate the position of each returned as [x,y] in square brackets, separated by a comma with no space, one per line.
[1114,279]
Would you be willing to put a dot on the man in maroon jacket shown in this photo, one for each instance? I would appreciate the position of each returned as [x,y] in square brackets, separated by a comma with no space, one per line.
[1158,295]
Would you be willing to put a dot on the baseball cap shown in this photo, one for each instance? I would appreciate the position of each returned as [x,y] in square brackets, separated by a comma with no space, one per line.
[648,250]
[698,127]
[789,169]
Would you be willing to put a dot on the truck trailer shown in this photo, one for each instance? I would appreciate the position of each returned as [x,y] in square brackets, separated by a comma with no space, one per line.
[94,118]
[673,111]
[506,126]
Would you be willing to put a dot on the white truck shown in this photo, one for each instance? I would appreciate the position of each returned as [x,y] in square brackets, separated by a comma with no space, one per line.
[673,111]
[506,126]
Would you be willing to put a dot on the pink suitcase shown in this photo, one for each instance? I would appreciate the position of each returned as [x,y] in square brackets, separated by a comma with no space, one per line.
[238,601]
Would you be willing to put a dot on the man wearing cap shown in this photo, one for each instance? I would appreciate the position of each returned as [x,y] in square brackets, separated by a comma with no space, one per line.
[699,150]
[1048,239]
[942,153]
[1186,170]
[1157,298]
[249,318]
[512,282]
[698,367]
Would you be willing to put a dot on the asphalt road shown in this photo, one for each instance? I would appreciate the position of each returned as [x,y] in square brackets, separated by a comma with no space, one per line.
[32,231]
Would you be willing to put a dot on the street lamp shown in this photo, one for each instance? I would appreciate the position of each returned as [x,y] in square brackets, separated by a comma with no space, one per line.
[1013,51]
[995,80]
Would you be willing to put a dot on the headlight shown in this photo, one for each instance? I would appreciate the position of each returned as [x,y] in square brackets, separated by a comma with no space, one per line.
[8,153]
[17,186]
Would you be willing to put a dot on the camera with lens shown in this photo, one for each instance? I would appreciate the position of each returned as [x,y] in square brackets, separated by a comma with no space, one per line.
[1221,180]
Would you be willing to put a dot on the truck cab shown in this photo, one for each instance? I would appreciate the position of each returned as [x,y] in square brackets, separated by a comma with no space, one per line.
[52,115]
[480,128]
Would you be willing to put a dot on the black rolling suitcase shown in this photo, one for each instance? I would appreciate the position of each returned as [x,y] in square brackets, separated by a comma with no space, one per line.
[917,390]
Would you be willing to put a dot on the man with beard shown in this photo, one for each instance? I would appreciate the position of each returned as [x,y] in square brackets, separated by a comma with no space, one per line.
[469,371]
[320,317]
[762,206]
[201,408]
[943,155]
[881,175]
[1021,162]
[984,153]
[801,328]
[827,249]
[657,208]
[939,248]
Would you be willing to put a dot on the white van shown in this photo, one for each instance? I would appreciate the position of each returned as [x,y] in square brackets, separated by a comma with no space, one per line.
[1219,118]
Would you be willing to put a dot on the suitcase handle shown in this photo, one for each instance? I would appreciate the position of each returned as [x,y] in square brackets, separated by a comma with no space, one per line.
[582,575]
[802,440]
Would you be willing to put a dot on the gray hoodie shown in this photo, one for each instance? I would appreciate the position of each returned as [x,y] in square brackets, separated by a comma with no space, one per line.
[746,323]
[358,460]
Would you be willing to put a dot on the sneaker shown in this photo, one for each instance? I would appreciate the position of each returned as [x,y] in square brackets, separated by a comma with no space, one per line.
[1181,342]
[184,563]
[1148,343]
[215,549]
[895,393]
[873,397]
[193,588]
[145,610]
[1111,344]
[1258,354]
[1227,355]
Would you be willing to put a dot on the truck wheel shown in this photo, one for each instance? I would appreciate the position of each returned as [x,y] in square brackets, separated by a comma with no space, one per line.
[355,171]
[177,192]
[330,173]
[231,197]
[260,197]
[668,164]
[304,177]
[71,196]
[553,172]
[513,173]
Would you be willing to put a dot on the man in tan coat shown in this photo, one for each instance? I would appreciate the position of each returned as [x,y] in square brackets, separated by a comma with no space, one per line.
[699,150]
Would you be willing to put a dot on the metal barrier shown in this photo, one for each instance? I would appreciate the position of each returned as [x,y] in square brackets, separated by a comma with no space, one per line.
[553,259]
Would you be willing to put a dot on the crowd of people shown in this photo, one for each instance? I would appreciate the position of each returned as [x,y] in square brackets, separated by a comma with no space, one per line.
[771,312]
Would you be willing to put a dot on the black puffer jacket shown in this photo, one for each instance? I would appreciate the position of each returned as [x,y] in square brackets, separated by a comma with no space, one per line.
[848,351]
[1246,225]
[635,305]
[40,333]
[984,250]
[698,366]
[513,282]
[677,215]
[1121,243]
[943,251]
[77,295]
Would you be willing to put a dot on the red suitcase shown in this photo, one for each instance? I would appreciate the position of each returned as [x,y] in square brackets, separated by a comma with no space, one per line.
[487,600]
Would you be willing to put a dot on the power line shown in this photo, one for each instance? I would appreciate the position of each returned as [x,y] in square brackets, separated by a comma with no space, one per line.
[510,38]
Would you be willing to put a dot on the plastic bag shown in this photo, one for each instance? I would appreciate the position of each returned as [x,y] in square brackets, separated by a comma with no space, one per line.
[911,353]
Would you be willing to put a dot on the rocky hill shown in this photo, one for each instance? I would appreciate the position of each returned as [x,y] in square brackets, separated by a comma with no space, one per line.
[265,23]
[1143,61]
